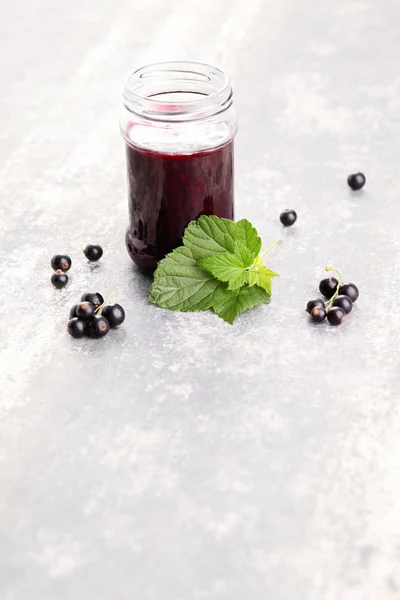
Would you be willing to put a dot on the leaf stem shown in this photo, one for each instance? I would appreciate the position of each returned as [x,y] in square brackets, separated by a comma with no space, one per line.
[258,260]
[271,246]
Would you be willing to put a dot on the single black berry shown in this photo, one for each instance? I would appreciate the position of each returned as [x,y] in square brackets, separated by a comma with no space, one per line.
[343,302]
[84,310]
[328,287]
[114,313]
[93,252]
[288,217]
[76,327]
[72,312]
[97,327]
[94,298]
[350,290]
[62,262]
[318,314]
[336,315]
[313,303]
[356,181]
[59,279]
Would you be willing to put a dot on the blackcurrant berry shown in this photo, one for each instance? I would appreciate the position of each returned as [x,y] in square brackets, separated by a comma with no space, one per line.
[94,298]
[350,290]
[327,287]
[288,217]
[59,279]
[318,314]
[313,303]
[93,252]
[84,310]
[62,262]
[76,327]
[114,313]
[356,181]
[97,327]
[343,302]
[336,315]
[72,312]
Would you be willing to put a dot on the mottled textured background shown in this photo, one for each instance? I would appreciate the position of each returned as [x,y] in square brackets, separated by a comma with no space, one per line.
[180,458]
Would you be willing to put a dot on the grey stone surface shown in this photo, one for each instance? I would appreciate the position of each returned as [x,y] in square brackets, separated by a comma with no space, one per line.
[181,458]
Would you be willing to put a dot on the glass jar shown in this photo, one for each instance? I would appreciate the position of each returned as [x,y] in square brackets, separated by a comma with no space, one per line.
[178,123]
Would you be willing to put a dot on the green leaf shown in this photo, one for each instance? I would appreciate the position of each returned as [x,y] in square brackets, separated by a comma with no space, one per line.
[243,254]
[218,267]
[212,235]
[262,277]
[179,284]
[246,233]
[228,304]
[230,266]
[208,236]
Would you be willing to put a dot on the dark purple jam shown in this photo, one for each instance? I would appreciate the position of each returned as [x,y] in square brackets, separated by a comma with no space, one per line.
[167,191]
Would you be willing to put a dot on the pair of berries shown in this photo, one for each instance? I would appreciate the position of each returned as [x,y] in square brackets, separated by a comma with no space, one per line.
[61,263]
[289,216]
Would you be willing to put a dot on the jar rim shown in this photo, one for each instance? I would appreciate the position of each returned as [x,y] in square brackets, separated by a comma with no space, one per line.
[177,91]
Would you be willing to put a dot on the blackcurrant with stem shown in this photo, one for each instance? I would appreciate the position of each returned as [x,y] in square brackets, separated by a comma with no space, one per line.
[328,287]
[76,327]
[59,279]
[61,261]
[288,217]
[97,327]
[85,310]
[318,314]
[94,298]
[343,302]
[350,290]
[356,181]
[313,303]
[336,315]
[114,313]
[93,252]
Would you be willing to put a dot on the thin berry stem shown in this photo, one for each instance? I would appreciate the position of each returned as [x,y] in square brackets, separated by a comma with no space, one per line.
[106,301]
[331,301]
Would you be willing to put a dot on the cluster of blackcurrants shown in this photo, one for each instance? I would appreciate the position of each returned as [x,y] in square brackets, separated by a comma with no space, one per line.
[340,297]
[61,263]
[92,317]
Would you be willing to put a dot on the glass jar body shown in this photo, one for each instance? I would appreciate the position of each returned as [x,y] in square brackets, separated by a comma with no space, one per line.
[179,132]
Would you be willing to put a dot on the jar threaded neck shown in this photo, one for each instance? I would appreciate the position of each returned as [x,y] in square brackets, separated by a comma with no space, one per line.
[177,91]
